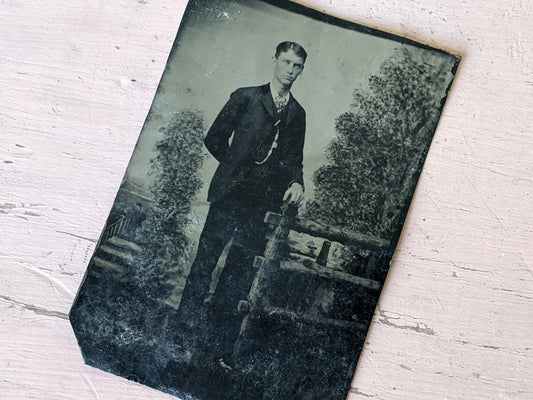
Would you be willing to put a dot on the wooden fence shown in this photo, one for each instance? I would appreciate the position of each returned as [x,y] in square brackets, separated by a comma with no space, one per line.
[300,282]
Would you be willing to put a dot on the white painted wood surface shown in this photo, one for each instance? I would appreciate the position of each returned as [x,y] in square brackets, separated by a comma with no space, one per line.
[455,320]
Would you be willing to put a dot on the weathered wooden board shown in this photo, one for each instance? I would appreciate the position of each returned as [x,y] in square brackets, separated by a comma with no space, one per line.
[455,319]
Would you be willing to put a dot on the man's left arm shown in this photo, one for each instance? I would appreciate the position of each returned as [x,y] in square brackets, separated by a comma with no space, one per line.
[295,190]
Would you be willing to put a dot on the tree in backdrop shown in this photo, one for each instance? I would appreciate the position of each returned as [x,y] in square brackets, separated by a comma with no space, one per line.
[381,143]
[166,248]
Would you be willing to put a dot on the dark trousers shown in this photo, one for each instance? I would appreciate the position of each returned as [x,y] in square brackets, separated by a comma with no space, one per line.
[217,324]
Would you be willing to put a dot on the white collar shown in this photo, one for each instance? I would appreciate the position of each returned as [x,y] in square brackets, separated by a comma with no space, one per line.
[275,94]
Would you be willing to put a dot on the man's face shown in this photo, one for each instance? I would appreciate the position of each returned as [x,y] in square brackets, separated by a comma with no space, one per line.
[288,66]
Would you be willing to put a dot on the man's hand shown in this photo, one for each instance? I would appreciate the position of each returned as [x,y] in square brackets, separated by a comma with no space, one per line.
[295,194]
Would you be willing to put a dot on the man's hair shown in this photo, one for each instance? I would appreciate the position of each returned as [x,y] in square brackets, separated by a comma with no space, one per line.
[286,46]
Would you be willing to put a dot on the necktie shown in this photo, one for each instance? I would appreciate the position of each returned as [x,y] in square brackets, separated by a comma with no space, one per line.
[280,104]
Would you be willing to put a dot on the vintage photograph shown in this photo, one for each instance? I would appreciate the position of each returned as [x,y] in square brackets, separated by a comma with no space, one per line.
[255,225]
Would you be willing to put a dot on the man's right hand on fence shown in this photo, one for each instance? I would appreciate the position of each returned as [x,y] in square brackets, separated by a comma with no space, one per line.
[295,194]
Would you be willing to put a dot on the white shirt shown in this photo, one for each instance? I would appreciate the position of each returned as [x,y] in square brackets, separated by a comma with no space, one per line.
[279,101]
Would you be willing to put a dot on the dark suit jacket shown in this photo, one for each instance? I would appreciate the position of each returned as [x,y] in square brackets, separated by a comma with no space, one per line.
[249,116]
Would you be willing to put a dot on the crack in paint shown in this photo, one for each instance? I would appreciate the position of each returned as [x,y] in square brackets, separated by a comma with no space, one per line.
[484,201]
[486,346]
[469,269]
[355,390]
[35,309]
[77,236]
[54,283]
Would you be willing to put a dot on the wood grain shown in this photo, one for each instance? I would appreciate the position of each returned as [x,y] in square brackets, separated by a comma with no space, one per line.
[455,320]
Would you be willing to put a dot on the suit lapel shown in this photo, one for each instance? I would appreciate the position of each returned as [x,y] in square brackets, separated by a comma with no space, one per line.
[268,103]
[291,110]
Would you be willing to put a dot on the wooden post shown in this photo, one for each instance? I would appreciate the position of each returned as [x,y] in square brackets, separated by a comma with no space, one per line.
[322,258]
[267,265]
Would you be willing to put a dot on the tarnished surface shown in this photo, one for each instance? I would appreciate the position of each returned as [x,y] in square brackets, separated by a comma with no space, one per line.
[455,316]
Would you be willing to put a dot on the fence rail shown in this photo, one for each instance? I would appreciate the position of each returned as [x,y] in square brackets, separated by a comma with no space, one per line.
[119,227]
[317,272]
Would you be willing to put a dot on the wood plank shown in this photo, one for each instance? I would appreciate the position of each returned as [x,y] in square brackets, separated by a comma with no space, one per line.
[340,235]
[317,269]
[291,316]
[345,236]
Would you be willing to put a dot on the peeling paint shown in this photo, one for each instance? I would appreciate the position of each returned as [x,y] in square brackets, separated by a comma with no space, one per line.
[419,327]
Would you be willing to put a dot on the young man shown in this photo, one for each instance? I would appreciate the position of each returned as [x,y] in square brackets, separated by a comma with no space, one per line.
[261,168]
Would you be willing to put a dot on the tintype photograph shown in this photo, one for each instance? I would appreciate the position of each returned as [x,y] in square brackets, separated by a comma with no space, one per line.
[255,225]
